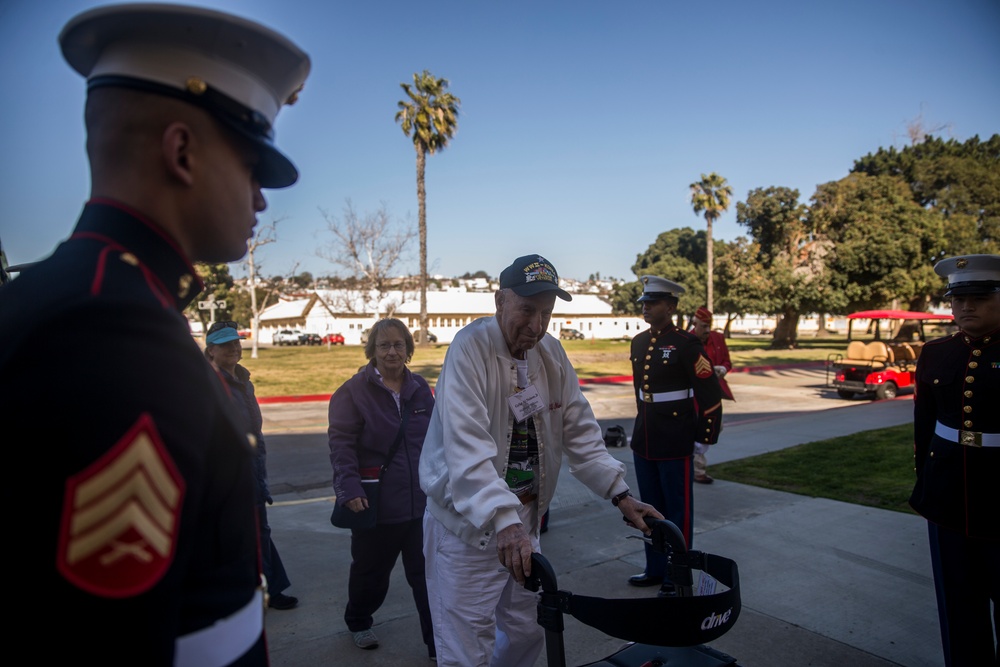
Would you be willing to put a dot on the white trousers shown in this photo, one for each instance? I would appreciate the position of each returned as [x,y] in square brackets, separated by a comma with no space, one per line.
[482,617]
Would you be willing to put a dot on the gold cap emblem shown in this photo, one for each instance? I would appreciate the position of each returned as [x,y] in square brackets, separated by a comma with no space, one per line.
[294,97]
[196,85]
[961,263]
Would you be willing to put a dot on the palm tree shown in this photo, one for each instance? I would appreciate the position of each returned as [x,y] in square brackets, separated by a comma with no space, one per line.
[431,116]
[711,194]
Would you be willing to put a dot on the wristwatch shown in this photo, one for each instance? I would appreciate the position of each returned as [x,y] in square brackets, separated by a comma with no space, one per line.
[620,497]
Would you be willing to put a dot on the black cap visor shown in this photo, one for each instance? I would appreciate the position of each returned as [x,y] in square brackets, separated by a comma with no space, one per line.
[973,287]
[274,170]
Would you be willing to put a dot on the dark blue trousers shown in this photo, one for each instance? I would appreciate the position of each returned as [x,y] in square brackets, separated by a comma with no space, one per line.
[966,579]
[666,485]
[274,569]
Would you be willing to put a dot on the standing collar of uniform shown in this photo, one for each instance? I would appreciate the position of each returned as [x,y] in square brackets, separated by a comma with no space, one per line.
[659,332]
[986,338]
[143,238]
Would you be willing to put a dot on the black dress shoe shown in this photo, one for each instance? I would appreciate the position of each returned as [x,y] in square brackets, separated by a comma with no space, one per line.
[282,601]
[644,579]
[667,590]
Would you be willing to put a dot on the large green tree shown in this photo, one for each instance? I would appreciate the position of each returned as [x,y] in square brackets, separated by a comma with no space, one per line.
[784,266]
[884,243]
[710,196]
[219,287]
[429,116]
[678,255]
[959,180]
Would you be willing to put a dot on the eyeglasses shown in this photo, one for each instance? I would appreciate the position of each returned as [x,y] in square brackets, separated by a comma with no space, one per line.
[226,324]
[385,347]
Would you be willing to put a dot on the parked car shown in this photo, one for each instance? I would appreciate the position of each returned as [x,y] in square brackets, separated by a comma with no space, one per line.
[311,339]
[333,339]
[287,337]
[571,334]
[881,359]
[431,338]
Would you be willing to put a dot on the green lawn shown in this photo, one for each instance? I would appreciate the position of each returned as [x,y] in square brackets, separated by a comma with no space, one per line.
[303,371]
[872,468]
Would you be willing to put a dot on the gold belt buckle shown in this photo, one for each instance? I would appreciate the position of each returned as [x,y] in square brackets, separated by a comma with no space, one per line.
[647,397]
[971,438]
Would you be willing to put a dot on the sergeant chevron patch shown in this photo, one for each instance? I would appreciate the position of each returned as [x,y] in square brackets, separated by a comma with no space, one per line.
[703,367]
[121,516]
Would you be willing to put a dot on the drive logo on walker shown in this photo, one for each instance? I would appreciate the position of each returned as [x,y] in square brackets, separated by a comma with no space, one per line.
[714,621]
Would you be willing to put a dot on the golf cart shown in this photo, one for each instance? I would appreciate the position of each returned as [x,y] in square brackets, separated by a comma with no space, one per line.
[882,351]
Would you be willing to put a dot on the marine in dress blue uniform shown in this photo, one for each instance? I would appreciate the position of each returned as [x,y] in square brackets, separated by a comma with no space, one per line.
[130,477]
[678,402]
[957,457]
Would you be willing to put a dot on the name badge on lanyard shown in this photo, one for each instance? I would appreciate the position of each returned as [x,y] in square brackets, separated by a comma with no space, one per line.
[525,403]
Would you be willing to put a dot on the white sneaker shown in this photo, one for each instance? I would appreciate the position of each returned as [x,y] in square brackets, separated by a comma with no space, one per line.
[365,639]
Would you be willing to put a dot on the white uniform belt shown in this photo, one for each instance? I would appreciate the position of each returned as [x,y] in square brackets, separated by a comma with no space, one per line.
[664,396]
[225,640]
[969,438]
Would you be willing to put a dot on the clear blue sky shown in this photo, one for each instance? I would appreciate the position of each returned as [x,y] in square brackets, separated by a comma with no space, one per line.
[582,123]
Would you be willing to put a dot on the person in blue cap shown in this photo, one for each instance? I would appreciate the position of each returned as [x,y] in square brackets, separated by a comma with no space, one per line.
[136,520]
[957,460]
[224,351]
[678,403]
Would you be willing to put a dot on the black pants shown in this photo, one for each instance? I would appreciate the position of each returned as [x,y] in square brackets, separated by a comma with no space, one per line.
[373,554]
[274,569]
[966,578]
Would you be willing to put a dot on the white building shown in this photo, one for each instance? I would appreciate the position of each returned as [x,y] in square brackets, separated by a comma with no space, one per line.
[349,314]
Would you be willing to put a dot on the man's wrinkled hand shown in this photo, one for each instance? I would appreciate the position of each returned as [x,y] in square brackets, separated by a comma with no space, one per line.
[514,551]
[634,511]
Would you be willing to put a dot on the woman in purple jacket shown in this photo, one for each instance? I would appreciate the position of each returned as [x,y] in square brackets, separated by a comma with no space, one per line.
[366,413]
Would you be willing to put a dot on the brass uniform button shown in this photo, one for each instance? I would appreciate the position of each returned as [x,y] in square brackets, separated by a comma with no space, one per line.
[648,357]
[129,259]
[968,393]
[973,364]
[675,414]
[968,423]
[932,454]
[970,379]
[936,380]
[976,353]
[645,377]
[967,409]
[646,387]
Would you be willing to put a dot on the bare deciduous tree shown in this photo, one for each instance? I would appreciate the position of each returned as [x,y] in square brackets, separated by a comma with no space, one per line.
[265,235]
[369,246]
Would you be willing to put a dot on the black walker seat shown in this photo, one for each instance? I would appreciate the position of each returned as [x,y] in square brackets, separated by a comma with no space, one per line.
[664,631]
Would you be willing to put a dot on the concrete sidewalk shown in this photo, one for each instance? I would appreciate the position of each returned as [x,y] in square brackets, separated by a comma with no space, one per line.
[823,582]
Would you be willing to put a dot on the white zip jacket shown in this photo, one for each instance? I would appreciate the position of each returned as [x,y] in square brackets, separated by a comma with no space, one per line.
[464,458]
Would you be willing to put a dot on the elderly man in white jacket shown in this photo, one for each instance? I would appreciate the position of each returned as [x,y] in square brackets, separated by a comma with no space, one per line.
[508,408]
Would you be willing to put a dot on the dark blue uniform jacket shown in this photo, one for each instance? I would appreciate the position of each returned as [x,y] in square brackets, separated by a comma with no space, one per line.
[130,489]
[667,361]
[958,384]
